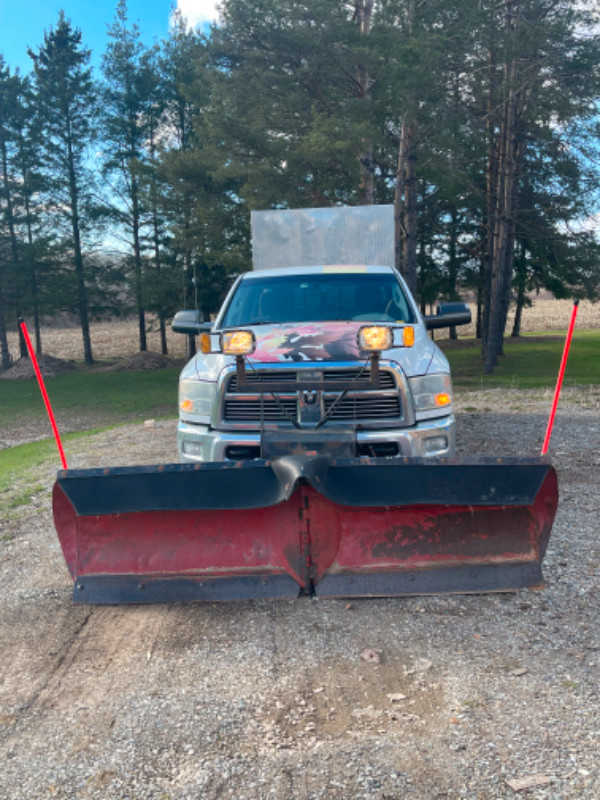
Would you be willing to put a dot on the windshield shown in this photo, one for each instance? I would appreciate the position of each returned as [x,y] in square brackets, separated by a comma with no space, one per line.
[375,297]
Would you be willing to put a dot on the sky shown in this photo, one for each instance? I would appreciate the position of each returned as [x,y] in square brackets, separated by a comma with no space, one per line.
[23,22]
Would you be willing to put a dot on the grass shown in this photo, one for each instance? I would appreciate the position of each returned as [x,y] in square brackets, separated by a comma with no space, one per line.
[22,472]
[16,462]
[113,394]
[100,397]
[103,398]
[529,363]
[19,475]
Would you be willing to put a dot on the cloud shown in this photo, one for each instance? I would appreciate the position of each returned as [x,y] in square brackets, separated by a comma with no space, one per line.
[198,12]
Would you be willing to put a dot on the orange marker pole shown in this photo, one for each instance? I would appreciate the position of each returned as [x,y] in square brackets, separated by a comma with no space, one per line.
[40,380]
[561,374]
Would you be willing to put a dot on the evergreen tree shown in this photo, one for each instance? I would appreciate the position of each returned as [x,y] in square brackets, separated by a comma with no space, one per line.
[172,189]
[208,230]
[65,97]
[539,67]
[292,100]
[9,254]
[128,117]
[34,233]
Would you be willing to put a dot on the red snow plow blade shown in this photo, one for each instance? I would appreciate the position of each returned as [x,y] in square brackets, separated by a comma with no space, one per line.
[304,525]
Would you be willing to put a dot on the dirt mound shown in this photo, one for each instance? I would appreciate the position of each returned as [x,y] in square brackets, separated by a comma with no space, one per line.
[147,360]
[49,367]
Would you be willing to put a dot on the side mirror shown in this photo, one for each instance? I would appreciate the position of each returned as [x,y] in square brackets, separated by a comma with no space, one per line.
[189,322]
[448,315]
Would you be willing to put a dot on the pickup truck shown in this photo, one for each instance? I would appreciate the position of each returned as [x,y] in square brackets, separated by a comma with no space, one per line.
[305,358]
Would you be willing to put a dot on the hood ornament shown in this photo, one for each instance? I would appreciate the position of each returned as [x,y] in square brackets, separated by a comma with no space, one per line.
[309,396]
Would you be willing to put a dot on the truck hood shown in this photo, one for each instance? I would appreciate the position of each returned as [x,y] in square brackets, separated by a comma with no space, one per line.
[321,341]
[308,341]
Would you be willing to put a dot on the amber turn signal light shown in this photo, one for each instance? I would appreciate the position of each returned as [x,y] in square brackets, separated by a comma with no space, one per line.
[408,336]
[205,345]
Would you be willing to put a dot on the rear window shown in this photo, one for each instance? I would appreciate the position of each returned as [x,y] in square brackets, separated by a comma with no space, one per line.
[318,298]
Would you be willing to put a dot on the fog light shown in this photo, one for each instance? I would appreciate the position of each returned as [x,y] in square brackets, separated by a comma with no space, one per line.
[436,444]
[373,338]
[194,449]
[237,343]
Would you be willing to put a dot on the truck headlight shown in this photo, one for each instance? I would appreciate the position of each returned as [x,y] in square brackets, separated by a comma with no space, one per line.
[196,397]
[431,392]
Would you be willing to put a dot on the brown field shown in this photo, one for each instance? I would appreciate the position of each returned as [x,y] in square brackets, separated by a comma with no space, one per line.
[119,339]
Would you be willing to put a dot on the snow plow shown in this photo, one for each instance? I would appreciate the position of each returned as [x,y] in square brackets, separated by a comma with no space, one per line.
[317,453]
[348,527]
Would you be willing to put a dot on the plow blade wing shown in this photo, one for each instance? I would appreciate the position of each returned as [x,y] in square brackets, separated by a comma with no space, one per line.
[336,528]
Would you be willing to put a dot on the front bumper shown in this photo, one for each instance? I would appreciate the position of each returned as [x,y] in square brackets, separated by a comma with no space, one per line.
[432,437]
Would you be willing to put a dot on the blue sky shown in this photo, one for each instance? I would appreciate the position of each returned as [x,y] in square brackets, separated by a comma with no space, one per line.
[23,22]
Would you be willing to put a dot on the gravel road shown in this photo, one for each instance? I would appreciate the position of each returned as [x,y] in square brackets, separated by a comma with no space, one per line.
[475,697]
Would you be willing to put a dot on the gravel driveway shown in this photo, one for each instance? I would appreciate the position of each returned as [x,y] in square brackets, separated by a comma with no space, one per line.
[480,697]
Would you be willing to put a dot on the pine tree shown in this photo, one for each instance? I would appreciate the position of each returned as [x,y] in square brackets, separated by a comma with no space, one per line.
[10,257]
[539,68]
[66,102]
[127,117]
[208,223]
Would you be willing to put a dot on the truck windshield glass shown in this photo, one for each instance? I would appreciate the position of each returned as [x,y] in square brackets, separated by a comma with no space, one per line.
[375,297]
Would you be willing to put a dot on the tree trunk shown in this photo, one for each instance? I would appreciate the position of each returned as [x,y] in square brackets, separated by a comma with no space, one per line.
[161,314]
[521,280]
[453,264]
[405,204]
[518,149]
[82,300]
[5,356]
[363,11]
[501,260]
[156,237]
[137,264]
[491,180]
[33,279]
[157,261]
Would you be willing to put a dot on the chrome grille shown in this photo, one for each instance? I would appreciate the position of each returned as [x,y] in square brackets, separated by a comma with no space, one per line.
[386,379]
[362,408]
[248,409]
[359,404]
[262,377]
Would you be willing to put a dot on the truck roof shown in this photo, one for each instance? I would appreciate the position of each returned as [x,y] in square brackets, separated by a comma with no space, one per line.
[319,270]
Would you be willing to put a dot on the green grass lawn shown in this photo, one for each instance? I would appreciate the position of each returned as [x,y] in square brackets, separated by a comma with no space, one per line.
[529,363]
[114,394]
[95,397]
[24,460]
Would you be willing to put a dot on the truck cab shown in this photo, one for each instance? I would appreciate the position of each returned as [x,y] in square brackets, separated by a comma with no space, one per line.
[331,356]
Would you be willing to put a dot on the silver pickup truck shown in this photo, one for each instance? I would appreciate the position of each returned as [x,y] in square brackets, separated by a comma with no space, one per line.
[306,353]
